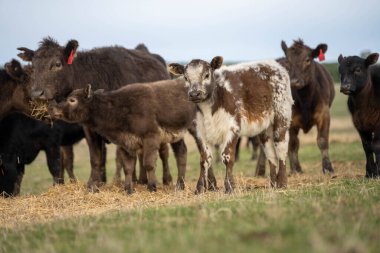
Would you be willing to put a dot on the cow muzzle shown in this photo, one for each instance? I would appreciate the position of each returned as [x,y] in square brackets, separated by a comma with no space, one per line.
[346,89]
[38,94]
[196,96]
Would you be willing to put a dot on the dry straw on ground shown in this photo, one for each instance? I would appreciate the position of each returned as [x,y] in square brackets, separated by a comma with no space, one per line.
[74,200]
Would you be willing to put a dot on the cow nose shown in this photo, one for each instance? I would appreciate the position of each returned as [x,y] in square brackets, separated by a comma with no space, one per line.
[345,88]
[195,94]
[39,94]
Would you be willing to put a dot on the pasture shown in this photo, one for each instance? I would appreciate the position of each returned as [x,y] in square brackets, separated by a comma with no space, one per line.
[316,213]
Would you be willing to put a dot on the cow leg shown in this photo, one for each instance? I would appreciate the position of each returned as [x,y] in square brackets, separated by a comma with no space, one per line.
[151,145]
[96,146]
[281,144]
[294,145]
[205,164]
[104,161]
[143,178]
[255,146]
[323,127]
[20,175]
[268,147]
[237,151]
[119,166]
[180,153]
[376,150]
[164,156]
[366,138]
[260,166]
[228,158]
[128,161]
[67,162]
[53,157]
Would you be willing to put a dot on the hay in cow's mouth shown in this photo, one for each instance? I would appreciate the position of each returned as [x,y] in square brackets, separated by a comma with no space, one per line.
[39,110]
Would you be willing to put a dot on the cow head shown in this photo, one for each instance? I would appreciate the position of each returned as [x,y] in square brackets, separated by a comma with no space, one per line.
[52,68]
[16,71]
[9,172]
[199,77]
[300,60]
[75,108]
[354,73]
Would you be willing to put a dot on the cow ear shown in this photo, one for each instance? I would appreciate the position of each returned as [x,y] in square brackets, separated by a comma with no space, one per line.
[15,70]
[371,59]
[88,91]
[340,59]
[284,47]
[176,69]
[216,62]
[26,55]
[316,52]
[70,51]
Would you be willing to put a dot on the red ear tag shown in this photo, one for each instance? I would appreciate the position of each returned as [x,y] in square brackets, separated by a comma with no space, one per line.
[70,59]
[321,56]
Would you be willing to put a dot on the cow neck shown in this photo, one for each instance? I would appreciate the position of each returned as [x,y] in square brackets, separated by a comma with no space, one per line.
[100,113]
[366,97]
[214,102]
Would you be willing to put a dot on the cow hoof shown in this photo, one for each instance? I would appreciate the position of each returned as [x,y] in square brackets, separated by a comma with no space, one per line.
[129,190]
[212,186]
[327,167]
[167,180]
[180,186]
[200,188]
[152,187]
[93,186]
[229,190]
[229,187]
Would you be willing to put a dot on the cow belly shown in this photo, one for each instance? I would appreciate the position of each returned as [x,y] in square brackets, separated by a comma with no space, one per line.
[167,136]
[253,128]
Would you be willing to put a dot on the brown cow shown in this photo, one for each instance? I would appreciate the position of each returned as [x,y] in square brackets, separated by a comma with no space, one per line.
[244,99]
[313,93]
[361,82]
[138,118]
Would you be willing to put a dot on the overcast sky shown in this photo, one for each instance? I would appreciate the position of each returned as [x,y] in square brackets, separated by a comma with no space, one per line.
[239,30]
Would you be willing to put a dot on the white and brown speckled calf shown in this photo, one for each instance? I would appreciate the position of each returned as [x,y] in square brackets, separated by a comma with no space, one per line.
[245,99]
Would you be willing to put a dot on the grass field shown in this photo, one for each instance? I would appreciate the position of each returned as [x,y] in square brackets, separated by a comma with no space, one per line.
[317,213]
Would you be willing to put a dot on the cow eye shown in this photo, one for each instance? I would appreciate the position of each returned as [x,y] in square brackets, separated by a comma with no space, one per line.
[186,78]
[207,76]
[358,70]
[58,64]
[72,100]
[308,61]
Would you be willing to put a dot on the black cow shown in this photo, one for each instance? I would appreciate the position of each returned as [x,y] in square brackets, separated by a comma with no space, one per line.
[22,138]
[361,82]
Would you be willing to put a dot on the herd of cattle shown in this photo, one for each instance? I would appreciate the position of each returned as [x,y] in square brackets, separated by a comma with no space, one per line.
[130,97]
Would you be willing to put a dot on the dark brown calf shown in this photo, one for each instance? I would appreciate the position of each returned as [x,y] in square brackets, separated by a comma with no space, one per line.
[245,99]
[313,93]
[362,85]
[138,118]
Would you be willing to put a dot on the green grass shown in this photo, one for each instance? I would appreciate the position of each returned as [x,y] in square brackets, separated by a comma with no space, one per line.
[342,215]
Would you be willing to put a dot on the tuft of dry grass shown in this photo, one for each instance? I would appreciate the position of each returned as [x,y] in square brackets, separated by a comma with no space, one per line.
[39,109]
